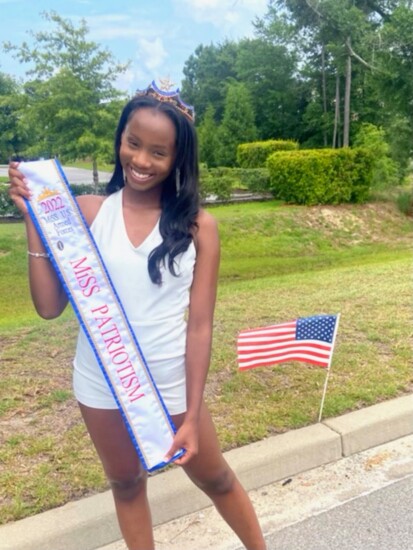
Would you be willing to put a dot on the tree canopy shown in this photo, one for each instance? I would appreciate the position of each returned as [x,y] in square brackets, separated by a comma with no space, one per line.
[68,100]
[316,71]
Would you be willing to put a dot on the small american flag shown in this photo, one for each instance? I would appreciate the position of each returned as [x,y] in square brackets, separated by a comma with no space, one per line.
[309,339]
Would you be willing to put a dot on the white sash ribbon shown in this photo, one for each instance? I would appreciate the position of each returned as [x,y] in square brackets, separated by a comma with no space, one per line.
[82,272]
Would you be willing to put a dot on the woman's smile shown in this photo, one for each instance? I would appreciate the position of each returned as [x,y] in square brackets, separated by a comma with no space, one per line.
[138,175]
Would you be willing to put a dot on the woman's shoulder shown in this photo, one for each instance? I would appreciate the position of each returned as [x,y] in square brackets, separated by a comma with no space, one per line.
[90,206]
[205,221]
[207,229]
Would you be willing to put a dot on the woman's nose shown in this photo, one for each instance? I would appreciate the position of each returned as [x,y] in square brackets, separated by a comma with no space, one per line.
[141,159]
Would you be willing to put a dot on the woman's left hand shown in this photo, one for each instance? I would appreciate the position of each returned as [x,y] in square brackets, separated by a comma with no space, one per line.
[186,438]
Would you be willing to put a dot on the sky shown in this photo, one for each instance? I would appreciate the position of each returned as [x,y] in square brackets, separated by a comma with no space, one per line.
[156,36]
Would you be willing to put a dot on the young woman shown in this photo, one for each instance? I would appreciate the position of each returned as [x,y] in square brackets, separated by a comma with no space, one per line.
[162,252]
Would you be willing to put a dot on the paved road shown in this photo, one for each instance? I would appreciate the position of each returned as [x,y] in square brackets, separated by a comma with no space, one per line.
[381,520]
[362,502]
[74,175]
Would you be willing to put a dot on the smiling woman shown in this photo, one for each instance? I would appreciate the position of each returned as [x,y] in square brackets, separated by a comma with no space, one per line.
[161,251]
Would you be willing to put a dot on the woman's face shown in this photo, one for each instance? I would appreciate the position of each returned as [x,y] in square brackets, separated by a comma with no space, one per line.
[147,149]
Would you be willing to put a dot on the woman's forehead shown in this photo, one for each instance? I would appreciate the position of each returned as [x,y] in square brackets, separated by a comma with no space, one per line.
[151,123]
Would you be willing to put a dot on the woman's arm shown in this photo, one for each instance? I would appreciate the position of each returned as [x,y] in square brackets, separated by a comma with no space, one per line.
[201,313]
[48,295]
[199,331]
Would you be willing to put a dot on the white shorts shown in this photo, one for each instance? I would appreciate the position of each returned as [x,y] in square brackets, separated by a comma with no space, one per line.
[92,390]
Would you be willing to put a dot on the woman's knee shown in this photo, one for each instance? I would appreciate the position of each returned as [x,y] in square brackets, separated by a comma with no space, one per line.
[218,484]
[128,486]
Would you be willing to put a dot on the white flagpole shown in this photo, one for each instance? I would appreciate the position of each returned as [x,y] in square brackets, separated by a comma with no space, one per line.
[329,368]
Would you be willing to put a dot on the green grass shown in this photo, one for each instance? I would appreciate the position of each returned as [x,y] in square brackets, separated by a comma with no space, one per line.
[371,361]
[278,263]
[87,165]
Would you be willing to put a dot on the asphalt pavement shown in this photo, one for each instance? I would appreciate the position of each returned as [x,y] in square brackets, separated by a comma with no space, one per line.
[379,520]
[73,175]
[290,477]
[360,502]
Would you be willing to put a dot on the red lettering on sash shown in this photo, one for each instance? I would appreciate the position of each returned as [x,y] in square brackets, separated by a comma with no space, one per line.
[128,366]
[101,309]
[116,349]
[101,321]
[85,277]
[132,396]
[123,357]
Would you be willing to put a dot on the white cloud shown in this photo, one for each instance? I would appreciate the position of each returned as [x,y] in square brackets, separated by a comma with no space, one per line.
[110,26]
[151,53]
[230,16]
[143,43]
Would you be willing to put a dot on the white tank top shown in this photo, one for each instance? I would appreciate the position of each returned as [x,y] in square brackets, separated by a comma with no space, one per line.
[156,313]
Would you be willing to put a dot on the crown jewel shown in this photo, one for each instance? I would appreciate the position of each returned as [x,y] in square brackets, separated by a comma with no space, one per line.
[172,97]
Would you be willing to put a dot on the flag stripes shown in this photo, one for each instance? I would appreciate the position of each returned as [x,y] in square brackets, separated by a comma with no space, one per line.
[309,340]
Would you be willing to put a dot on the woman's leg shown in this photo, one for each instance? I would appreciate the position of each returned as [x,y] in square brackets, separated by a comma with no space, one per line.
[211,473]
[125,474]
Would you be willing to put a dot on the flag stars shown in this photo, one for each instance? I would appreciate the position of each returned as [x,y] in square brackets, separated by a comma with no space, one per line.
[320,328]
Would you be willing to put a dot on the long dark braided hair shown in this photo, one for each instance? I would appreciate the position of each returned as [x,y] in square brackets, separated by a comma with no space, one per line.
[178,216]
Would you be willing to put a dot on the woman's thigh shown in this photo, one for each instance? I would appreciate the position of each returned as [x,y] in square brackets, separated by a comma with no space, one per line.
[112,442]
[208,469]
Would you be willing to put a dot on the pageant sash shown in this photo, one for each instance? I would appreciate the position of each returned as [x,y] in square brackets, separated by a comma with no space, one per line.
[83,274]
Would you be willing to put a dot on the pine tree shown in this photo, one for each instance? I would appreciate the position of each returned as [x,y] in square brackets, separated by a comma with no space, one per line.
[238,123]
[208,138]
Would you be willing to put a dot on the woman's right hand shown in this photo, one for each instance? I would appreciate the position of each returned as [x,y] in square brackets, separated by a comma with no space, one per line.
[18,190]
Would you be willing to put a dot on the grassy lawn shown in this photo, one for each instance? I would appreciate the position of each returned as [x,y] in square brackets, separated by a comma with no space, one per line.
[87,165]
[278,263]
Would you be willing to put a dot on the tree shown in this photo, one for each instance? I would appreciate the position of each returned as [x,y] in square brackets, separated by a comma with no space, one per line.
[206,73]
[12,137]
[238,125]
[68,98]
[268,72]
[336,36]
[395,81]
[208,138]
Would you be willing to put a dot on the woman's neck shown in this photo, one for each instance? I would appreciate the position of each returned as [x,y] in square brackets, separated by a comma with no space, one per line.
[150,200]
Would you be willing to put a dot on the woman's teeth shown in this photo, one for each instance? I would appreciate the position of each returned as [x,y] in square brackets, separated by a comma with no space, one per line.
[139,175]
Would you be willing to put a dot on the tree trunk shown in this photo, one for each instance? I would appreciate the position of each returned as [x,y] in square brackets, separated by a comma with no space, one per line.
[95,176]
[346,131]
[324,92]
[337,114]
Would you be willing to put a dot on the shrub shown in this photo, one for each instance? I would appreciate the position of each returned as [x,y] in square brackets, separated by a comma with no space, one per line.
[223,180]
[321,176]
[255,154]
[256,180]
[87,189]
[404,202]
[386,172]
[217,183]
[7,208]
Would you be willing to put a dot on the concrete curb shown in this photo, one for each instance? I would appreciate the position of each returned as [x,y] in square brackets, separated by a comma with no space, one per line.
[91,523]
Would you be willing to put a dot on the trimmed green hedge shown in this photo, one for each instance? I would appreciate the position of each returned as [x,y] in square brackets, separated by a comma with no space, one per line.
[255,154]
[87,189]
[321,176]
[221,182]
[8,210]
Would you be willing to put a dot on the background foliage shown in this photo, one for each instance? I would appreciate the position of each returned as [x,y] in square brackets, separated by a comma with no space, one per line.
[324,73]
